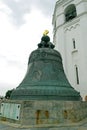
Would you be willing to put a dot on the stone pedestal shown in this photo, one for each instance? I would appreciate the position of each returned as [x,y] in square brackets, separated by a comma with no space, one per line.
[44,113]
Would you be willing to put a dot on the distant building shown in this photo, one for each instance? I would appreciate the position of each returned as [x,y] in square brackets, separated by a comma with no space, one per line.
[70,38]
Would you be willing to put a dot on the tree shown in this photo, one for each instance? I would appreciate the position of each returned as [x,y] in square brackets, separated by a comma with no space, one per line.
[8,93]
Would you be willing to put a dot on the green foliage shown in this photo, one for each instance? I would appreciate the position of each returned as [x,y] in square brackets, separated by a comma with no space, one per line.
[8,93]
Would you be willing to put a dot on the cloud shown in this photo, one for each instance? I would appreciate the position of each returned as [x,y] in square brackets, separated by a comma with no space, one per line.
[5,87]
[18,9]
[21,7]
[46,6]
[17,43]
[11,72]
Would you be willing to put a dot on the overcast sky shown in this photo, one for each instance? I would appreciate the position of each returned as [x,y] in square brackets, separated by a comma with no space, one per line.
[22,23]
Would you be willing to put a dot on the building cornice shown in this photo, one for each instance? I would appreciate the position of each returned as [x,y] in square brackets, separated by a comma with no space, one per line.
[63,2]
[58,4]
[74,21]
[70,23]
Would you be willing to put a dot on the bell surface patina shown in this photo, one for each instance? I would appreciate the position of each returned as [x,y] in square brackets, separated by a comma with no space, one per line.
[45,78]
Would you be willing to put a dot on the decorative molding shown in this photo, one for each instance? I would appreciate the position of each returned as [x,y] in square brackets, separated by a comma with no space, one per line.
[71,27]
[81,1]
[60,2]
[68,3]
[72,22]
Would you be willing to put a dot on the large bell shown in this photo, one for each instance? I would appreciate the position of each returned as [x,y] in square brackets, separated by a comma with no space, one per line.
[45,78]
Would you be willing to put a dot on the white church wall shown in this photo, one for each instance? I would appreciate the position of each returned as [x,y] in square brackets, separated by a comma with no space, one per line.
[65,33]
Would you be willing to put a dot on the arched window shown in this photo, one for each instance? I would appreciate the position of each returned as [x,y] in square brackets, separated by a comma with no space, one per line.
[70,12]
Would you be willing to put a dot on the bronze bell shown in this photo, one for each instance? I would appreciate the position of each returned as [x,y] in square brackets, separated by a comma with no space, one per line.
[45,78]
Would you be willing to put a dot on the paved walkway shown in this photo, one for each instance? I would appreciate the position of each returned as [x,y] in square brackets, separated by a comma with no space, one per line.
[8,126]
[4,126]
